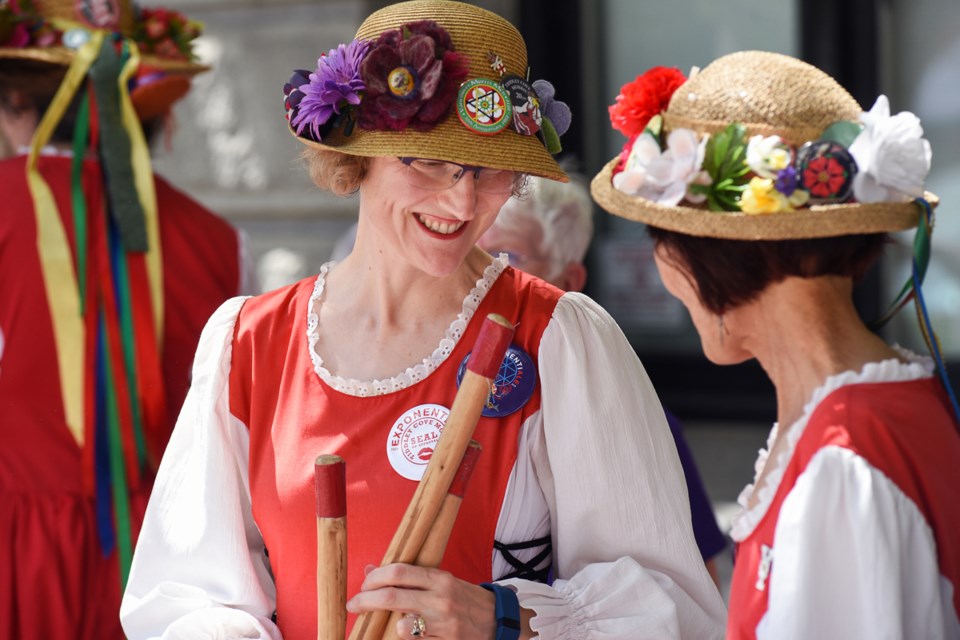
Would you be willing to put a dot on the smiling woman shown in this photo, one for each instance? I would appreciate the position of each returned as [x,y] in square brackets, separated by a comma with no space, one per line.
[417,116]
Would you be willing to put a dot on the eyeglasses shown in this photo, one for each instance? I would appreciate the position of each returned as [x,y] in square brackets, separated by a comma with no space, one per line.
[439,175]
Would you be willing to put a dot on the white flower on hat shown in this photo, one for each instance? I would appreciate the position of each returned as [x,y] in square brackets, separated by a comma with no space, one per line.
[663,176]
[893,157]
[767,156]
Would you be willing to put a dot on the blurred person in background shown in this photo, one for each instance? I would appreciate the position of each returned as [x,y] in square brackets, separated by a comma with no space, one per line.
[546,232]
[107,276]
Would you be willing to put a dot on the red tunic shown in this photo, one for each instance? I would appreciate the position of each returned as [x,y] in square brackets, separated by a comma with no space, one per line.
[905,430]
[54,581]
[293,416]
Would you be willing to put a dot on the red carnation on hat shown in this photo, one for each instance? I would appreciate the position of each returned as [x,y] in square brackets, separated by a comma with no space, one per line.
[648,95]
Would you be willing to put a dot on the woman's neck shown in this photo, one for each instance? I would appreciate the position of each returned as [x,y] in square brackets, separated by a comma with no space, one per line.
[376,321]
[391,292]
[804,331]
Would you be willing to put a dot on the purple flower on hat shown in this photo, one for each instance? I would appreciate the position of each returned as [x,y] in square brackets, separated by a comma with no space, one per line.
[336,84]
[787,180]
[557,111]
[412,75]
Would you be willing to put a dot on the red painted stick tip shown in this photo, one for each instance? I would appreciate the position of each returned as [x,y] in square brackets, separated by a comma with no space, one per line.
[491,344]
[458,486]
[330,481]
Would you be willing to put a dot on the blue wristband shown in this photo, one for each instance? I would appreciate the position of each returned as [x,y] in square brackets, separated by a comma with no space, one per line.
[507,611]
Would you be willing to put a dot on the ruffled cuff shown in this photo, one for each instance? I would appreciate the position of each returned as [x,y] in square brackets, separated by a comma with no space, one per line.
[604,600]
[195,616]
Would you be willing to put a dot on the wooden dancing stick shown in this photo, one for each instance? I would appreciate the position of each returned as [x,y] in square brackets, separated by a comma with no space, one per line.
[482,368]
[331,487]
[433,547]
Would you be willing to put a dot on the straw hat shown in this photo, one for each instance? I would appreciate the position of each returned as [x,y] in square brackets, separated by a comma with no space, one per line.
[161,79]
[118,16]
[769,94]
[475,34]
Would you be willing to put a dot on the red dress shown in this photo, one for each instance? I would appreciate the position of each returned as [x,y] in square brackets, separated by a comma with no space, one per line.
[54,579]
[860,537]
[293,416]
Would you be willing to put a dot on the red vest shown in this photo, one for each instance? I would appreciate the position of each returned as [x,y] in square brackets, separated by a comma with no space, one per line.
[903,429]
[293,417]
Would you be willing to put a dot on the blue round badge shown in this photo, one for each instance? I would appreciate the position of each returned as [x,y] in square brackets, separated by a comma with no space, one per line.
[513,385]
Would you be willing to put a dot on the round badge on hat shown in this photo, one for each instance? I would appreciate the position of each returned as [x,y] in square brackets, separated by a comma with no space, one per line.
[484,106]
[826,170]
[99,14]
[526,105]
[75,38]
[513,386]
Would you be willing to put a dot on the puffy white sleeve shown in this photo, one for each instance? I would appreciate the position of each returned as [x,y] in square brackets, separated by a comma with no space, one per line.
[626,562]
[200,569]
[884,580]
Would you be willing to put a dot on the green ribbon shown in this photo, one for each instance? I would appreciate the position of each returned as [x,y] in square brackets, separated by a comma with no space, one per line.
[921,256]
[125,205]
[125,312]
[118,475]
[81,135]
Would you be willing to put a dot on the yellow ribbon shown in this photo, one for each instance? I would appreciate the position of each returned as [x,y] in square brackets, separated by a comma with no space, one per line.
[56,259]
[143,177]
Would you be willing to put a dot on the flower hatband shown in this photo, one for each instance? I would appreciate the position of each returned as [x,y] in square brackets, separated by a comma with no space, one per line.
[883,158]
[407,78]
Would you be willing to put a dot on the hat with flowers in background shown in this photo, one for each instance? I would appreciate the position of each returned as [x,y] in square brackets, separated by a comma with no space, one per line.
[762,146]
[53,31]
[119,66]
[432,79]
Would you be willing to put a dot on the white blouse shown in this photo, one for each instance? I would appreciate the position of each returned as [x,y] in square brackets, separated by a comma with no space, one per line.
[596,469]
[845,514]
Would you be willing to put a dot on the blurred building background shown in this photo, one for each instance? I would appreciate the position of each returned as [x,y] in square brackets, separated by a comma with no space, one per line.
[231,150]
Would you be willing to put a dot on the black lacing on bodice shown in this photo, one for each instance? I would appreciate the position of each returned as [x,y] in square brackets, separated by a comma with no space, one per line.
[526,570]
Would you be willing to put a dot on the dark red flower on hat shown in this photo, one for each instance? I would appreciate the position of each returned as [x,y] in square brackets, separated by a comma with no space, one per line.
[412,75]
[645,97]
[824,177]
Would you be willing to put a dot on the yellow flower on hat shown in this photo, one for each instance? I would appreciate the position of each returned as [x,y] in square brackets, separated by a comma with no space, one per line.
[761,197]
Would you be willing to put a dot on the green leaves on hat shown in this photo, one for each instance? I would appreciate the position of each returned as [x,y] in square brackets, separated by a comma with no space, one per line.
[843,132]
[724,160]
[551,140]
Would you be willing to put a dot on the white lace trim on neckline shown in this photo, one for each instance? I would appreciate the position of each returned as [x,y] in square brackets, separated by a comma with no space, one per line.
[416,373]
[892,370]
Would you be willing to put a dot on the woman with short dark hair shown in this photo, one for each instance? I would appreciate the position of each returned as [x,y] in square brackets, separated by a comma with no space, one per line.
[768,193]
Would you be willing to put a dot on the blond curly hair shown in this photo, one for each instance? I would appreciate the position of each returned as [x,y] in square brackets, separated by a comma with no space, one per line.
[336,172]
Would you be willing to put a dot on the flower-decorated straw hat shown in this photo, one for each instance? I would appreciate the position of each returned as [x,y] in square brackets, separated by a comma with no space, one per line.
[762,146]
[55,32]
[432,79]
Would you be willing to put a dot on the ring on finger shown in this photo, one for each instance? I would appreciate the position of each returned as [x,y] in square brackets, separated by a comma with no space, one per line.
[419,626]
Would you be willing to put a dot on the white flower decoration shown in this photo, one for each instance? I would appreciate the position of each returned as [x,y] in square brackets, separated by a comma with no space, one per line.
[767,156]
[663,176]
[893,158]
